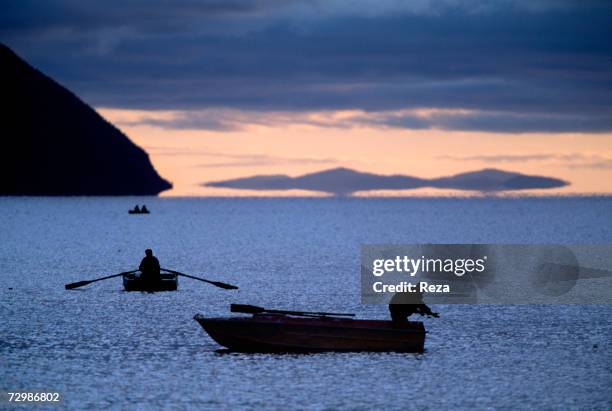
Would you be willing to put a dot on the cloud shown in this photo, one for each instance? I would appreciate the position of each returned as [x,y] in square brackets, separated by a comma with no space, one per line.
[255,160]
[231,119]
[500,122]
[221,120]
[265,160]
[516,65]
[436,119]
[239,160]
[570,160]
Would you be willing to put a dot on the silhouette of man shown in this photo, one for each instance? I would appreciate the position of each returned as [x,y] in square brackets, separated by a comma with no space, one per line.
[144,209]
[137,209]
[149,266]
[403,305]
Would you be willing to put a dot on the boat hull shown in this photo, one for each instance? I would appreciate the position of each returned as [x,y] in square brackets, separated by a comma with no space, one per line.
[277,333]
[167,282]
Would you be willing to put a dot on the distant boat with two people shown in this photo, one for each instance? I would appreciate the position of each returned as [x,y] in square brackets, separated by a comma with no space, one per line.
[139,210]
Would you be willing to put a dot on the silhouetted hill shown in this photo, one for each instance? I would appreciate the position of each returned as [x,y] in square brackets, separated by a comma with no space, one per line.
[55,144]
[344,181]
[491,179]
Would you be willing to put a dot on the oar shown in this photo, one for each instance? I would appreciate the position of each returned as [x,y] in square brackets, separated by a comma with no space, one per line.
[215,283]
[253,309]
[82,283]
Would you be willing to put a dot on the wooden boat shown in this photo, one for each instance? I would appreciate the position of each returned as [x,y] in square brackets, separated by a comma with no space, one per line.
[134,282]
[286,333]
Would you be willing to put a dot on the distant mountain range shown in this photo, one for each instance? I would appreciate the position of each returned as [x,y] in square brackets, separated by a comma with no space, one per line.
[55,144]
[344,181]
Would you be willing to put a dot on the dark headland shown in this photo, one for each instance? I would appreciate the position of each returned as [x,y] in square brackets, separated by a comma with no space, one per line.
[344,181]
[55,144]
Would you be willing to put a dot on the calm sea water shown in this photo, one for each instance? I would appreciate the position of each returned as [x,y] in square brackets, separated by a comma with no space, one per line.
[105,348]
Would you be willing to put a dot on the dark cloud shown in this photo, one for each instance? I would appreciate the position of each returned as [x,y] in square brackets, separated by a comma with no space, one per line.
[189,121]
[520,66]
[464,120]
[501,122]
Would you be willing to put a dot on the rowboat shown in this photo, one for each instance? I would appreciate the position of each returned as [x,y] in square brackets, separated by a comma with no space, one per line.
[168,281]
[285,333]
[135,282]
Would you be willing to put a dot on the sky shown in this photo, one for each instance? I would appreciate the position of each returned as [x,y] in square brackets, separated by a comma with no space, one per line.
[220,89]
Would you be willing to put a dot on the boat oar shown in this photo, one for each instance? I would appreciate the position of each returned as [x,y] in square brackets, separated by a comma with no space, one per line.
[82,283]
[253,309]
[215,283]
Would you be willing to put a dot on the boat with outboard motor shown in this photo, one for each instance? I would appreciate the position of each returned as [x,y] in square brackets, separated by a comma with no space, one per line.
[298,331]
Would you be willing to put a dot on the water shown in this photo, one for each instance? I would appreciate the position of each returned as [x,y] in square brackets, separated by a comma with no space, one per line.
[104,348]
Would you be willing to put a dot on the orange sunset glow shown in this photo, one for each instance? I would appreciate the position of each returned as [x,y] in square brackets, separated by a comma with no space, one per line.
[293,146]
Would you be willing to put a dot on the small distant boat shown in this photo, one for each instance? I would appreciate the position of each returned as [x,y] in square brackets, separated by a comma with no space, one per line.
[139,212]
[134,282]
[270,332]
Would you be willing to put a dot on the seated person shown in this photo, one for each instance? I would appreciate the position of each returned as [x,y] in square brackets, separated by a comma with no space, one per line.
[149,266]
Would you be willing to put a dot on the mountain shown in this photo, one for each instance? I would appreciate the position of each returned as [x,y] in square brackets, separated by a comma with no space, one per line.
[344,181]
[55,144]
[491,179]
[339,181]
